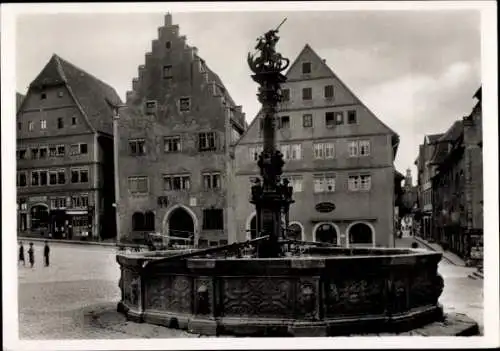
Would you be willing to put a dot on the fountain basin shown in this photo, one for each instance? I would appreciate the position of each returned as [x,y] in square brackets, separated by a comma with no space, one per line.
[328,291]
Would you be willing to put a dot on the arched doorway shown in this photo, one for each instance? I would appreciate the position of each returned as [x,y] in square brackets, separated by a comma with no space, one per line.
[294,231]
[180,225]
[40,217]
[360,234]
[326,233]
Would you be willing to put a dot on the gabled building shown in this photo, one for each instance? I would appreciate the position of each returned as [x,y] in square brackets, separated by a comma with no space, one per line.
[65,155]
[457,186]
[174,155]
[425,172]
[338,155]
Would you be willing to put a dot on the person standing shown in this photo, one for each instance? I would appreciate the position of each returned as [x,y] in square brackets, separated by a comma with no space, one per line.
[31,254]
[46,253]
[21,253]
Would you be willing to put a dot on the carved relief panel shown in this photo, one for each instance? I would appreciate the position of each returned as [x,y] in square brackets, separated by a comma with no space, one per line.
[263,297]
[354,296]
[169,293]
[307,299]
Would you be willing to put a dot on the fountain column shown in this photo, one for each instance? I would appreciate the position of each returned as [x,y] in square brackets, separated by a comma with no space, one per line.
[269,196]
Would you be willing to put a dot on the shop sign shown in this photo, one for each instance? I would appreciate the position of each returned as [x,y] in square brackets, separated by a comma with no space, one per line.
[325,207]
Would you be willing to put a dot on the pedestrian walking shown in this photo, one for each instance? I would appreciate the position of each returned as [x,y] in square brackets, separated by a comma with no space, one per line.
[46,253]
[31,254]
[21,253]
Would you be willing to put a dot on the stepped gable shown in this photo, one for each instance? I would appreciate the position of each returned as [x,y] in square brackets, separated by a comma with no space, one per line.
[91,94]
[211,79]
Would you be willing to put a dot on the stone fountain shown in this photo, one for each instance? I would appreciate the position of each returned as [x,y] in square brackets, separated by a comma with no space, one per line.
[278,287]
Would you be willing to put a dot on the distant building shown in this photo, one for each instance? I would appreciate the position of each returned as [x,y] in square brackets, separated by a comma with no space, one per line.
[175,165]
[19,100]
[65,155]
[336,151]
[425,171]
[458,186]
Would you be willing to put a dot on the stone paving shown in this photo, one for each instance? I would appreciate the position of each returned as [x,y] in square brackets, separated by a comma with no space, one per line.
[76,297]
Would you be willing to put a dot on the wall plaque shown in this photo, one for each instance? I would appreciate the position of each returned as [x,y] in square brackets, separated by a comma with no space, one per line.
[325,207]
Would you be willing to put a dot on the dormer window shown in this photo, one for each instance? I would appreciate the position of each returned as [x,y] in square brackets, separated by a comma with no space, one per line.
[306,67]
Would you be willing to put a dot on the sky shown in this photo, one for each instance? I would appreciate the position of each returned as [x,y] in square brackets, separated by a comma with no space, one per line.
[416,70]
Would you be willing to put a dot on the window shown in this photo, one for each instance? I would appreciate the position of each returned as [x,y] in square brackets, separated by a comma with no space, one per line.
[167,71]
[307,121]
[213,219]
[285,95]
[306,67]
[168,45]
[307,94]
[73,121]
[151,107]
[34,153]
[324,183]
[211,181]
[296,183]
[339,118]
[19,126]
[79,176]
[137,147]
[351,117]
[137,221]
[364,147]
[58,202]
[324,150]
[43,96]
[21,179]
[43,124]
[43,178]
[359,148]
[35,178]
[353,148]
[61,177]
[284,122]
[185,104]
[78,149]
[83,148]
[138,185]
[328,91]
[359,182]
[22,154]
[172,144]
[61,150]
[60,123]
[60,94]
[80,201]
[291,151]
[329,119]
[207,141]
[176,182]
[31,126]
[52,177]
[255,151]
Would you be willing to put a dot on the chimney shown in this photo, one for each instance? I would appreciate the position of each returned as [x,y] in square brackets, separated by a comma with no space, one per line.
[168,19]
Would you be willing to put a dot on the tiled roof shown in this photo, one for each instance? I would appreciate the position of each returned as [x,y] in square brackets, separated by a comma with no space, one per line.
[91,93]
[452,134]
[434,137]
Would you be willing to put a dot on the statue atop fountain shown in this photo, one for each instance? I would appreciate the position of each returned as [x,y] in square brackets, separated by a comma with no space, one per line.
[271,197]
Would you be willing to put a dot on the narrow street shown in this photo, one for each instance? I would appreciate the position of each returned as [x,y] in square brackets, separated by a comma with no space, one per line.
[53,300]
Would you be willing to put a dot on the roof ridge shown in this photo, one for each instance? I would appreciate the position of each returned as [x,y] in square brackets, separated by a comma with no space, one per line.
[66,62]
